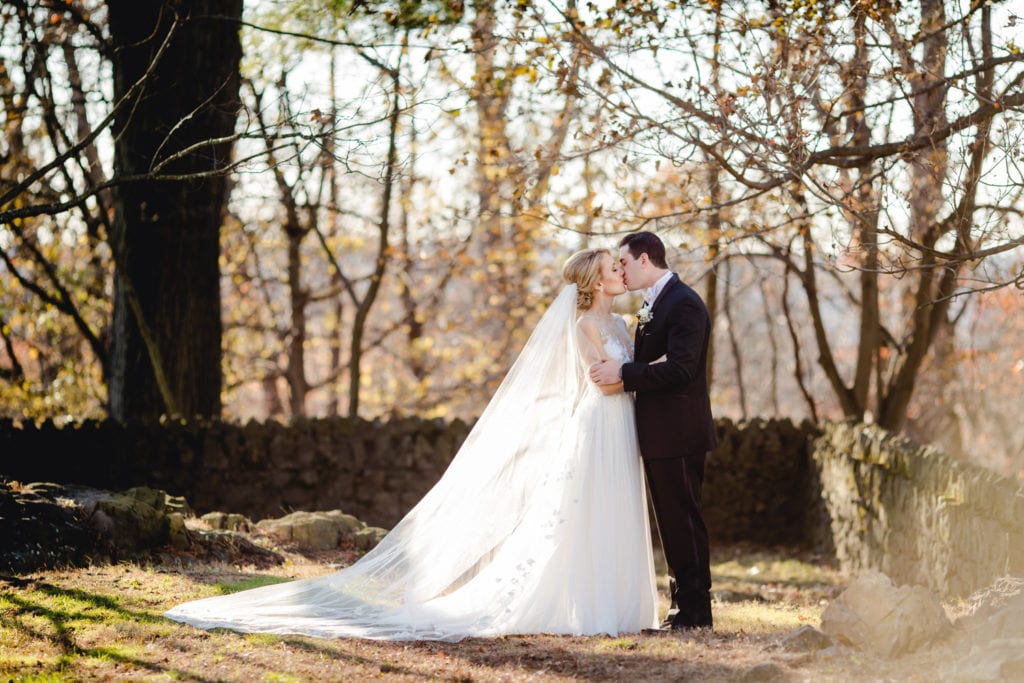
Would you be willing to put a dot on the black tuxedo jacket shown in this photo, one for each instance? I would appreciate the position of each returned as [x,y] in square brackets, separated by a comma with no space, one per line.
[673,409]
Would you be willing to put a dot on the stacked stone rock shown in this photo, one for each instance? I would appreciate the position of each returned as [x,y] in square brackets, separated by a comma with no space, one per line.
[757,487]
[372,469]
[916,514]
[50,525]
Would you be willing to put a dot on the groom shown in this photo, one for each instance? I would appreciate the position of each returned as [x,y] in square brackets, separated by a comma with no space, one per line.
[673,415]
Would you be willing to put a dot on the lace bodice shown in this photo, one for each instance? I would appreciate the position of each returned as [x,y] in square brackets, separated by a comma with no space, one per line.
[616,343]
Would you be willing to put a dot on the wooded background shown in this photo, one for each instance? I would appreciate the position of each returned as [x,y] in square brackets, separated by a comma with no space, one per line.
[342,207]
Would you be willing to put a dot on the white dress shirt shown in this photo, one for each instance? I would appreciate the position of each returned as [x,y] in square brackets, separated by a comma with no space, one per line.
[651,293]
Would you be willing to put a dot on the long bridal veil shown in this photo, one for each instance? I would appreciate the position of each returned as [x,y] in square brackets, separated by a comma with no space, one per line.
[463,555]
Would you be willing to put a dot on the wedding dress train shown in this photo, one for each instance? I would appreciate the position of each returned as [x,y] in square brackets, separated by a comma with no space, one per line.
[539,525]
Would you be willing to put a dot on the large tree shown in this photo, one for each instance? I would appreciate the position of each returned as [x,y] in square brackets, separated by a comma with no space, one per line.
[879,134]
[176,80]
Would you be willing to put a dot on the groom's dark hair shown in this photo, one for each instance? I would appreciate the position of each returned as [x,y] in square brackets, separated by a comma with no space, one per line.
[646,243]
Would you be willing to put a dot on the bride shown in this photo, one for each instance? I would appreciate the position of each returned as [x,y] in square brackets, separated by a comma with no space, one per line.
[539,525]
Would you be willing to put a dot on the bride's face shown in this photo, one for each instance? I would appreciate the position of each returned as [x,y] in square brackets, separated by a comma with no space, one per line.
[611,280]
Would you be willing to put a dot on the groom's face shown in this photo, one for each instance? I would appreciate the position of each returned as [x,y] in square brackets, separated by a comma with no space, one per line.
[633,270]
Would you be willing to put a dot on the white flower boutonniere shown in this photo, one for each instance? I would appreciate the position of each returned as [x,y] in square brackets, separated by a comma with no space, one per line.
[644,315]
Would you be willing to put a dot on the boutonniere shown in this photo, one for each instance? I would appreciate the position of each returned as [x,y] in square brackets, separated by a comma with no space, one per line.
[644,315]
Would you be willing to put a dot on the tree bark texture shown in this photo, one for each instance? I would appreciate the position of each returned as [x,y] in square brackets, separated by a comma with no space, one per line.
[166,345]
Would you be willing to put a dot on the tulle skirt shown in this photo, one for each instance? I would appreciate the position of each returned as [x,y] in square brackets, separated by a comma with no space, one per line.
[578,559]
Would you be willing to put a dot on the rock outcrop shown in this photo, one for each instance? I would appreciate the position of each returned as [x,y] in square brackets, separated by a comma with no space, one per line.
[322,530]
[46,525]
[878,617]
[991,634]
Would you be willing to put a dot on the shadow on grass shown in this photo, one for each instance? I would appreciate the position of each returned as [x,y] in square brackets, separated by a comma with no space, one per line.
[614,659]
[93,600]
[246,583]
[65,609]
[592,658]
[335,650]
[586,658]
[224,579]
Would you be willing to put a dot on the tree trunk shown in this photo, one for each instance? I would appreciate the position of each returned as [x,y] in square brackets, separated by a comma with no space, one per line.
[863,215]
[937,420]
[166,346]
[734,344]
[495,175]
[383,249]
[926,295]
[714,220]
[298,297]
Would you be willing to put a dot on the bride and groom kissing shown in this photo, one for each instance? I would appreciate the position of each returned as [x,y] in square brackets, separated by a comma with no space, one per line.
[539,524]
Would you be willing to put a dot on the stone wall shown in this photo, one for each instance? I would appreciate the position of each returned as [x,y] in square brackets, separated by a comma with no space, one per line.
[915,513]
[755,488]
[373,470]
[757,483]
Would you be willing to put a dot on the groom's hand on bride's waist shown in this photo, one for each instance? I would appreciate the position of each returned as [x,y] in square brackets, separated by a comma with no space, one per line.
[605,372]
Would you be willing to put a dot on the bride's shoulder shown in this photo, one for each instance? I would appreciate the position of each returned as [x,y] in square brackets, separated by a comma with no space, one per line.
[591,325]
[586,323]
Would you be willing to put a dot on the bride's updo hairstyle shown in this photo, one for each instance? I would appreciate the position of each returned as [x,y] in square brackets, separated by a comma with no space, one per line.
[584,270]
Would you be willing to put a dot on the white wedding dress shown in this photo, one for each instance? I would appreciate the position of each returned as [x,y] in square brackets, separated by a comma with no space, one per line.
[539,525]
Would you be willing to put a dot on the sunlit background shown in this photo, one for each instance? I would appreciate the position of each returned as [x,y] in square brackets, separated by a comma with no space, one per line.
[776,147]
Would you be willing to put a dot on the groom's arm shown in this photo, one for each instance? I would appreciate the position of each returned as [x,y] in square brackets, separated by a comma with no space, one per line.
[687,327]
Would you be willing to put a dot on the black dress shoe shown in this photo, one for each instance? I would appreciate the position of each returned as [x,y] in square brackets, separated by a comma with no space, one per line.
[693,612]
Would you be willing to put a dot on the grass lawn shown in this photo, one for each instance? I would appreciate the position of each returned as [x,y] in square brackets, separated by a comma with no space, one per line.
[105,623]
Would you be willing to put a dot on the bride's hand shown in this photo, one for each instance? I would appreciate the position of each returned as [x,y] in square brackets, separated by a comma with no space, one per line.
[610,389]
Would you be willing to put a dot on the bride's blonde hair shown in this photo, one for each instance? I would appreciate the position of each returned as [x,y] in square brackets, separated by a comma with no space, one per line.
[584,270]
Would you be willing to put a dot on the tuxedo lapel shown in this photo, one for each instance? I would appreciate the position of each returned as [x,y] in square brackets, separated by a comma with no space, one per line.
[672,283]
